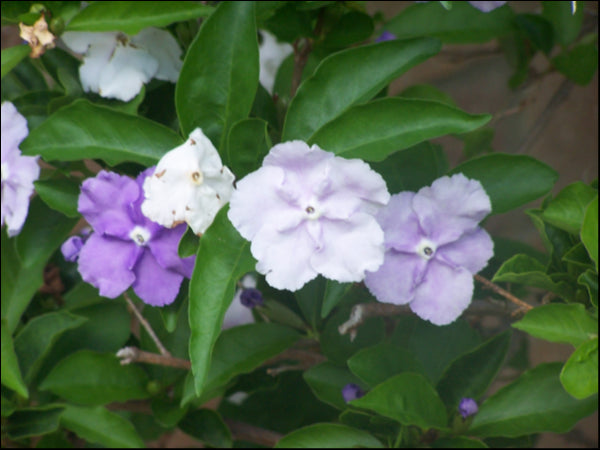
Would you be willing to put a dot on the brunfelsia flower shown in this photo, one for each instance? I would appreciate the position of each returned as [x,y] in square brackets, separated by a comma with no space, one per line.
[18,171]
[433,247]
[245,298]
[116,65]
[271,55]
[351,392]
[126,248]
[309,212]
[37,36]
[467,407]
[190,184]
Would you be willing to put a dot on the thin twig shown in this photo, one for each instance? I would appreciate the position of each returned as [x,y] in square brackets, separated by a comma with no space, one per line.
[507,295]
[161,348]
[305,360]
[244,432]
[300,59]
[129,355]
[363,311]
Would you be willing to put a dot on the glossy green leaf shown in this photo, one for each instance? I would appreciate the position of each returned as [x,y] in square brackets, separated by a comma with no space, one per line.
[84,130]
[558,322]
[310,300]
[12,56]
[376,129]
[579,376]
[408,398]
[31,422]
[132,17]
[578,255]
[60,195]
[188,244]
[565,22]
[328,435]
[223,258]
[472,373]
[589,279]
[567,209]
[534,403]
[589,230]
[218,80]
[579,64]
[207,426]
[90,378]
[39,334]
[509,180]
[351,28]
[461,24]
[329,89]
[100,426]
[248,144]
[427,92]
[334,293]
[289,23]
[22,79]
[374,365]
[327,381]
[11,374]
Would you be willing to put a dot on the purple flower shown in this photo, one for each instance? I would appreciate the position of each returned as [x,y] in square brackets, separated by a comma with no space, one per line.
[251,297]
[386,36]
[433,247]
[467,407]
[18,172]
[71,248]
[127,249]
[487,6]
[351,392]
[309,212]
[245,298]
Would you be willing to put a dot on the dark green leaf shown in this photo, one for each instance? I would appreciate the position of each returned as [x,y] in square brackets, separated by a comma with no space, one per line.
[207,426]
[248,144]
[407,398]
[352,27]
[578,255]
[188,245]
[328,435]
[329,89]
[579,375]
[132,17]
[334,293]
[589,230]
[30,422]
[567,209]
[218,80]
[559,322]
[509,180]
[478,142]
[310,300]
[537,30]
[579,64]
[167,411]
[376,129]
[11,374]
[60,195]
[22,79]
[12,56]
[589,279]
[565,23]
[534,403]
[327,381]
[427,92]
[288,24]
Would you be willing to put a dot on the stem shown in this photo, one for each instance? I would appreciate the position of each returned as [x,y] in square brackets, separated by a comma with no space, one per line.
[128,355]
[161,348]
[363,311]
[300,58]
[245,432]
[507,295]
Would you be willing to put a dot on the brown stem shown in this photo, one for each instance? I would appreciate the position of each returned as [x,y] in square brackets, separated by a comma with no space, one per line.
[161,348]
[363,311]
[300,57]
[507,295]
[305,358]
[128,355]
[245,432]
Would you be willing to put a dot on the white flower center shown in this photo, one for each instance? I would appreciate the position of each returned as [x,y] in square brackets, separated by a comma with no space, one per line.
[426,249]
[312,212]
[197,177]
[139,235]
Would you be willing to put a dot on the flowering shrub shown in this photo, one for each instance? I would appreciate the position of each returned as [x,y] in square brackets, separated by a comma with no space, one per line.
[223,217]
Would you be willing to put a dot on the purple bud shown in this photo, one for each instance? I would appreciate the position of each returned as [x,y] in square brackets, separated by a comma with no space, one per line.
[351,392]
[467,407]
[251,297]
[71,248]
[386,36]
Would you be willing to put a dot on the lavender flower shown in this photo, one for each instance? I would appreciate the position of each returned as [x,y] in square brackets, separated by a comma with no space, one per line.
[18,171]
[71,248]
[467,407]
[351,392]
[386,36]
[127,249]
[309,212]
[433,247]
[487,6]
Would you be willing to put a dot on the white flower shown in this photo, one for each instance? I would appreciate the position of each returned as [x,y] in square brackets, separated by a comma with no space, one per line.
[116,65]
[18,172]
[190,184]
[271,55]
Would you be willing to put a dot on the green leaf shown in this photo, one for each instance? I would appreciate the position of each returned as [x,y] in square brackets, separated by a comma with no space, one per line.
[579,64]
[567,209]
[328,435]
[188,245]
[84,130]
[509,180]
[537,30]
[60,195]
[579,376]
[589,279]
[352,27]
[589,231]
[374,130]
[329,89]
[536,402]
[207,426]
[310,301]
[427,92]
[566,25]
[132,17]
[12,56]
[472,373]
[36,338]
[11,374]
[100,426]
[223,257]
[373,365]
[478,142]
[407,398]
[462,24]
[334,293]
[327,381]
[90,378]
[248,144]
[31,422]
[219,77]
[558,322]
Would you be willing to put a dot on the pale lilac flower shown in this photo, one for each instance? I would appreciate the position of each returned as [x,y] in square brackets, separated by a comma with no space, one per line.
[386,36]
[309,212]
[18,171]
[270,56]
[467,407]
[116,65]
[351,392]
[73,245]
[127,249]
[487,6]
[433,247]
[245,298]
[190,184]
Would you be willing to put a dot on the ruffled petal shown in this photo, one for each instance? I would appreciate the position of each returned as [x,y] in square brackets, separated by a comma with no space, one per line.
[163,47]
[472,251]
[444,293]
[94,63]
[400,224]
[164,245]
[106,263]
[80,41]
[14,130]
[395,281]
[155,285]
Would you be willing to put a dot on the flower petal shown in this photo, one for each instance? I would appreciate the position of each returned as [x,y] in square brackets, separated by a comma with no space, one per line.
[14,130]
[94,62]
[164,245]
[444,293]
[163,47]
[400,224]
[472,251]
[237,314]
[155,285]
